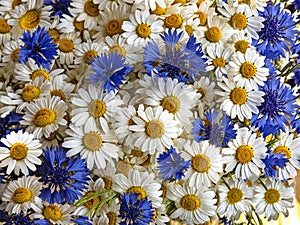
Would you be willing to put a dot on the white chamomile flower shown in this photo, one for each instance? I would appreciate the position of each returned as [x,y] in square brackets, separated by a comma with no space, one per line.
[238,101]
[67,44]
[21,194]
[240,41]
[111,212]
[206,163]
[177,16]
[248,70]
[160,216]
[142,183]
[10,52]
[6,6]
[203,11]
[70,24]
[194,205]
[5,34]
[255,5]
[273,198]
[235,198]
[244,154]
[205,87]
[61,88]
[21,152]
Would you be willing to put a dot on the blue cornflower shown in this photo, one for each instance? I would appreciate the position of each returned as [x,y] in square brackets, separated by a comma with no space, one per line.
[110,71]
[64,178]
[176,60]
[172,165]
[278,107]
[279,32]
[134,211]
[18,219]
[12,119]
[59,7]
[82,220]
[296,4]
[38,46]
[272,161]
[225,221]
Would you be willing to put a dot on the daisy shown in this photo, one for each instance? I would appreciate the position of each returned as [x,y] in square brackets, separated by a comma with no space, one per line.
[11,52]
[203,11]
[111,212]
[61,88]
[9,101]
[144,184]
[177,17]
[237,101]
[21,152]
[6,6]
[255,5]
[70,24]
[44,116]
[21,194]
[193,205]
[206,163]
[205,87]
[248,69]
[5,34]
[160,216]
[107,174]
[241,41]
[66,46]
[244,154]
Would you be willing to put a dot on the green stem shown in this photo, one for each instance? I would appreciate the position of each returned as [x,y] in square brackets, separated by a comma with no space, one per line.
[225,183]
[97,207]
[96,194]
[291,70]
[262,184]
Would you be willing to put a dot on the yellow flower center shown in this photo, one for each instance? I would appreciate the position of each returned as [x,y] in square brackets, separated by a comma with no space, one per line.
[238,21]
[202,17]
[137,153]
[79,25]
[189,29]
[15,54]
[89,56]
[248,2]
[234,196]
[40,73]
[52,212]
[159,11]
[137,190]
[248,70]
[107,182]
[199,2]
[244,154]
[65,45]
[171,104]
[117,49]
[15,3]
[93,202]
[30,20]
[272,196]
[58,93]
[97,108]
[219,62]
[174,20]
[30,93]
[213,34]
[112,218]
[18,151]
[91,9]
[22,195]
[44,117]
[238,96]
[179,1]
[4,26]
[154,129]
[123,167]
[241,46]
[201,163]
[283,150]
[92,141]
[114,27]
[190,202]
[143,30]
[54,34]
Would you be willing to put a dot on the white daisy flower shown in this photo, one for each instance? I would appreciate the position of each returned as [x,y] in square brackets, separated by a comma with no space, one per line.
[20,195]
[194,205]
[163,12]
[235,198]
[61,88]
[111,212]
[203,11]
[44,116]
[177,17]
[107,174]
[9,101]
[10,52]
[142,183]
[244,154]
[206,163]
[160,216]
[237,101]
[21,152]
[70,24]
[255,5]
[6,6]
[240,41]
[248,70]
[205,87]
[5,34]
[273,197]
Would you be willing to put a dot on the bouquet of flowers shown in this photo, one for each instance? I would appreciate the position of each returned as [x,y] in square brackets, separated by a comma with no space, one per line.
[148,112]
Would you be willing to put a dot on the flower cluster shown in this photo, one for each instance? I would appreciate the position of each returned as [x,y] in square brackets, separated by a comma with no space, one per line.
[148,112]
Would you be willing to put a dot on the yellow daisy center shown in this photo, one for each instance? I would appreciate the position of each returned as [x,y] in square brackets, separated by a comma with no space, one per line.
[234,196]
[15,3]
[199,2]
[18,151]
[44,117]
[174,20]
[137,190]
[171,104]
[241,46]
[143,30]
[93,202]
[272,196]
[114,27]
[202,17]
[65,45]
[54,34]
[15,54]
[92,141]
[159,10]
[179,1]
[39,73]
[213,34]
[91,9]
[189,29]
[79,25]
[112,218]
[137,153]
[283,150]
[107,182]
[154,129]
[238,96]
[190,202]
[117,49]
[4,26]
[97,108]
[30,20]
[52,212]
[58,93]
[238,21]
[201,163]
[244,154]
[248,70]
[89,56]
[22,195]
[219,62]
[248,2]
[30,92]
